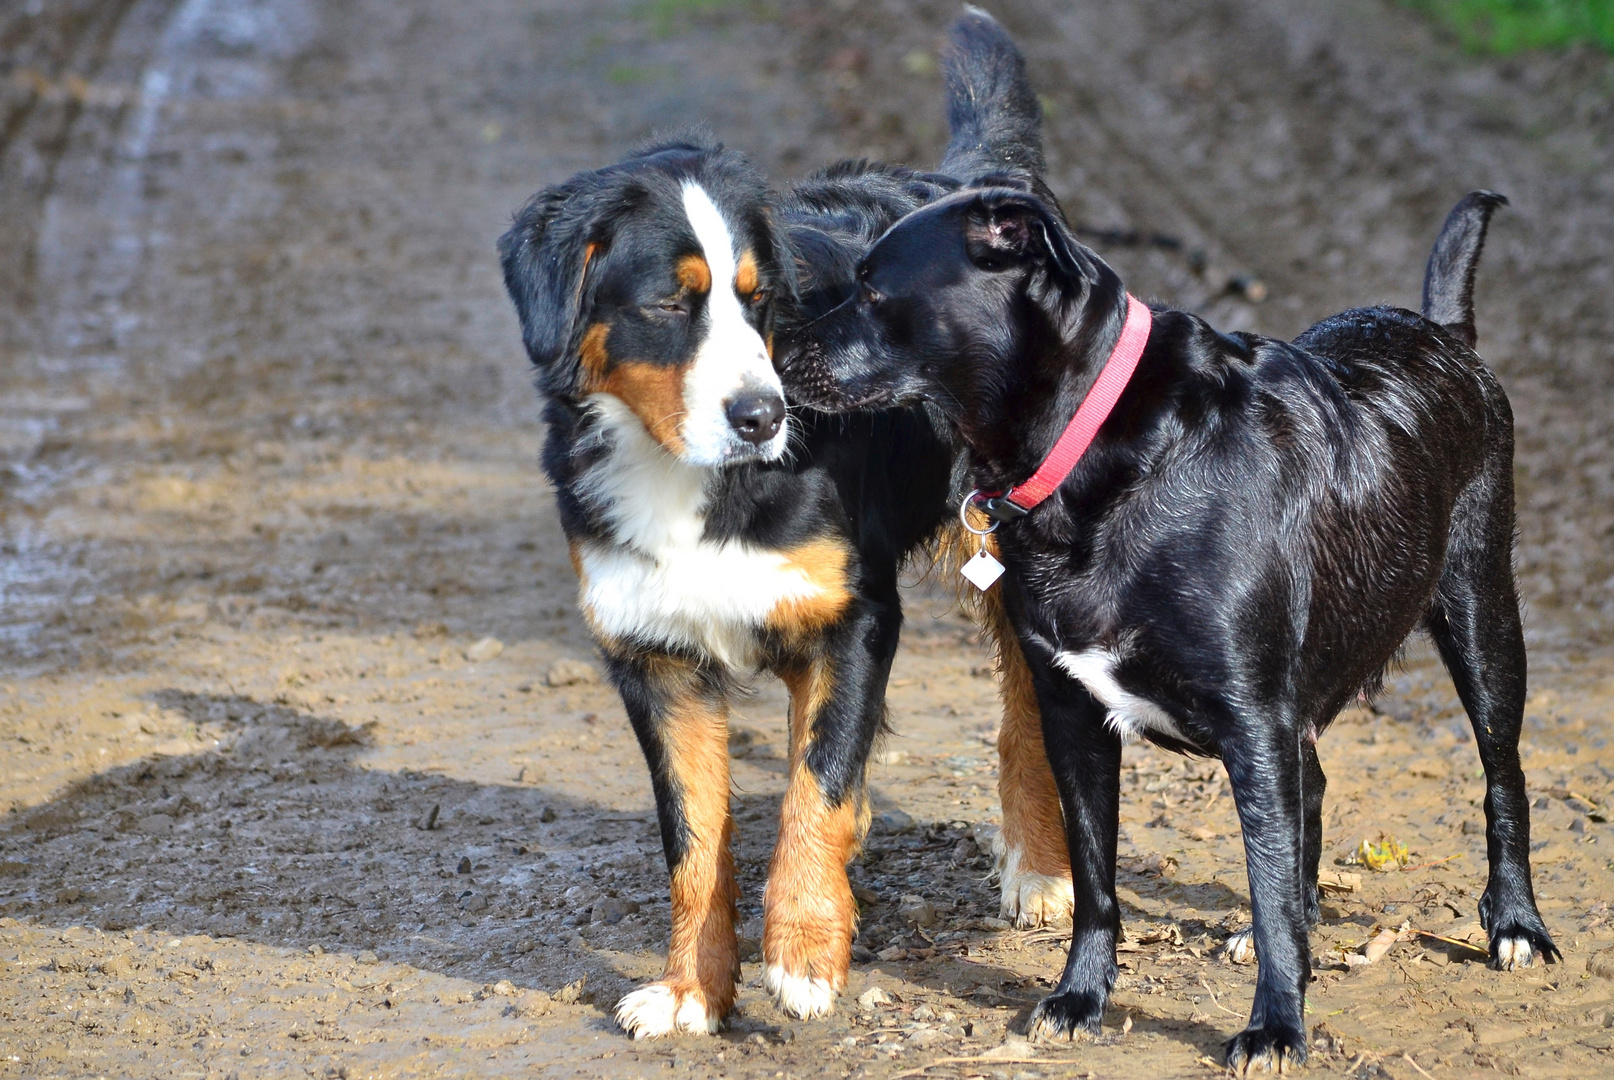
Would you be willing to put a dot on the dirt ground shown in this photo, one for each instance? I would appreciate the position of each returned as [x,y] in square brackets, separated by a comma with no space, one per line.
[287,788]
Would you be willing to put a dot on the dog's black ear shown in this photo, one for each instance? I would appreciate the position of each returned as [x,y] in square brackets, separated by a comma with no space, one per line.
[547,254]
[1010,227]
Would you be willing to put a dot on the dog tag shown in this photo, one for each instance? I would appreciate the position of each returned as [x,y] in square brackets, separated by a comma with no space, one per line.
[982,571]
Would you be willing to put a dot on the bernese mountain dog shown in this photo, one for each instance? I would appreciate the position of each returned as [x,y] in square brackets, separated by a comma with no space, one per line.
[717,532]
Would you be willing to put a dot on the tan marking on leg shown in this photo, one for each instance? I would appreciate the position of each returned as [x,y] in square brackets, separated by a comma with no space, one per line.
[694,273]
[823,563]
[809,915]
[745,275]
[1035,862]
[703,958]
[655,393]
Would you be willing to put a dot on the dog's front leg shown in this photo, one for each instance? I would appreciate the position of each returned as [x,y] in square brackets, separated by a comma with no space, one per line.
[1264,766]
[837,705]
[1085,755]
[681,719]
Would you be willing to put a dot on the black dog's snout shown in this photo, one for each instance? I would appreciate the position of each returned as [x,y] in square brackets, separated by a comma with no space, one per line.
[756,417]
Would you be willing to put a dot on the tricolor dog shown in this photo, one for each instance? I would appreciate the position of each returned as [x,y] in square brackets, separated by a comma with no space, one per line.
[716,532]
[1213,541]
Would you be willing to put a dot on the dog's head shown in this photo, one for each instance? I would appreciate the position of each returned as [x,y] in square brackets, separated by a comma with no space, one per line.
[950,304]
[648,289]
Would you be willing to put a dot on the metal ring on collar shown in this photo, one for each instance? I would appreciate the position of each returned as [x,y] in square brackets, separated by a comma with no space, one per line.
[964,517]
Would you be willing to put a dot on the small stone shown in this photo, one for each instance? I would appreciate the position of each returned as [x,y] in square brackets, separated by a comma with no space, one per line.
[894,952]
[157,824]
[992,923]
[531,1003]
[117,967]
[1578,826]
[894,823]
[428,821]
[475,904]
[611,910]
[464,866]
[570,673]
[1602,964]
[503,988]
[1473,828]
[861,953]
[484,650]
[916,911]
[572,992]
[367,957]
[548,815]
[872,998]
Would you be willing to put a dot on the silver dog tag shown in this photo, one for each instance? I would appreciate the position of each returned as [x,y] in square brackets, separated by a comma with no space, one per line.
[982,571]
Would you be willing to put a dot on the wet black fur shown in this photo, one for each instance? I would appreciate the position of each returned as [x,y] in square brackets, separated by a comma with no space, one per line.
[1256,529]
[881,481]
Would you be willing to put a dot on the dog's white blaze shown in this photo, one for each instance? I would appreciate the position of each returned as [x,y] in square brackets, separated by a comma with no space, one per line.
[732,358]
[661,579]
[652,1011]
[1129,713]
[801,996]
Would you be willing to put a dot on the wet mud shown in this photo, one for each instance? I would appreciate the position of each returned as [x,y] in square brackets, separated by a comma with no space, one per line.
[305,769]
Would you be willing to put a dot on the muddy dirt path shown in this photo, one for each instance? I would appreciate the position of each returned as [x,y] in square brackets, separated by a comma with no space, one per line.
[301,774]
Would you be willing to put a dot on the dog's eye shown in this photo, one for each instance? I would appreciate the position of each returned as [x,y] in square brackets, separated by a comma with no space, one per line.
[672,307]
[871,295]
[758,296]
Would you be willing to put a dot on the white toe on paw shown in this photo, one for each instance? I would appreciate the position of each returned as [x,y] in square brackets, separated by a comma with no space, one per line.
[655,1010]
[1241,947]
[801,996]
[1514,953]
[1031,899]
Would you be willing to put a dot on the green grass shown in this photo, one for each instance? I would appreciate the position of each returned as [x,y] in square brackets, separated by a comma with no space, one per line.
[1509,26]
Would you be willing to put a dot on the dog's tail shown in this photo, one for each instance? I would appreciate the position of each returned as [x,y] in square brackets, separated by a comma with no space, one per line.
[1448,283]
[993,115]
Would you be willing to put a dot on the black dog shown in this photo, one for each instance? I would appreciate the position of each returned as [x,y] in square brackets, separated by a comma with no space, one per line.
[1254,531]
[714,534]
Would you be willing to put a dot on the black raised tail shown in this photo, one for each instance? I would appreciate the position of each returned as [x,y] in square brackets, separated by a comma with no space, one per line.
[993,115]
[1448,283]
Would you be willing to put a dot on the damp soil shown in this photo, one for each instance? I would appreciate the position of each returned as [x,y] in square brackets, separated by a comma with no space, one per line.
[301,775]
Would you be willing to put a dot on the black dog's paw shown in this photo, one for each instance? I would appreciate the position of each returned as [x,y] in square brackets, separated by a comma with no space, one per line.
[1277,1048]
[1066,1017]
[1516,945]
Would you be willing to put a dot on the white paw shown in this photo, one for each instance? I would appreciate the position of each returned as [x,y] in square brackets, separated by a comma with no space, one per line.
[1029,898]
[1241,946]
[655,1010]
[1513,954]
[801,996]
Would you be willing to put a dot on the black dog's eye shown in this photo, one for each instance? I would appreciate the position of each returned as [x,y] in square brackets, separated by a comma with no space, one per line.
[871,295]
[671,307]
[758,296]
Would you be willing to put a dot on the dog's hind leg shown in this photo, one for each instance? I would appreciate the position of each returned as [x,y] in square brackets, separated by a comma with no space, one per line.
[681,719]
[1313,785]
[1475,623]
[1266,771]
[1032,860]
[1085,754]
[837,707]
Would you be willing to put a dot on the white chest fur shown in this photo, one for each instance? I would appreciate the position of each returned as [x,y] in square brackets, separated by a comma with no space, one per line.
[1129,714]
[661,580]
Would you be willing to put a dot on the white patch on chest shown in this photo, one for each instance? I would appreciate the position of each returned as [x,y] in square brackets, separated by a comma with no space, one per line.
[661,580]
[1129,714]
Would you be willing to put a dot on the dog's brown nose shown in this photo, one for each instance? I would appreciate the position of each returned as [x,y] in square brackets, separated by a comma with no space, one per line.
[756,417]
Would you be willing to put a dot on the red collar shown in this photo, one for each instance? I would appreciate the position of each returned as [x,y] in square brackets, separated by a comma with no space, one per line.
[1095,408]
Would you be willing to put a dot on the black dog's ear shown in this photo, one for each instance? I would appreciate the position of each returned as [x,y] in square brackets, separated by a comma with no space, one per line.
[546,255]
[1009,227]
